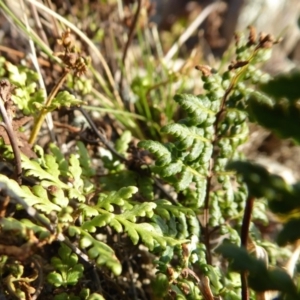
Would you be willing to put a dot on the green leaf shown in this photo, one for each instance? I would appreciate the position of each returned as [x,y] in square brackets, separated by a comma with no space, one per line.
[241,259]
[75,194]
[64,99]
[186,135]
[160,285]
[31,199]
[85,160]
[123,141]
[283,117]
[36,228]
[132,233]
[199,109]
[52,165]
[73,230]
[117,198]
[284,85]
[95,296]
[58,196]
[74,274]
[174,210]
[67,270]
[103,254]
[145,185]
[290,232]
[55,279]
[260,278]
[161,152]
[34,169]
[17,76]
[10,224]
[172,169]
[140,210]
[67,256]
[116,225]
[60,159]
[283,198]
[98,221]
[75,171]
[126,192]
[88,210]
[185,180]
[40,192]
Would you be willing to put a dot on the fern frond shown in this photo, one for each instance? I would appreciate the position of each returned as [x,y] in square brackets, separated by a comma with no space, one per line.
[49,174]
[198,108]
[127,220]
[97,250]
[37,198]
[161,152]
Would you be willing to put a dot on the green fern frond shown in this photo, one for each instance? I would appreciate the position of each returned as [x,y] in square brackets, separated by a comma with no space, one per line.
[126,221]
[97,250]
[62,162]
[33,198]
[198,109]
[49,174]
[161,152]
[85,161]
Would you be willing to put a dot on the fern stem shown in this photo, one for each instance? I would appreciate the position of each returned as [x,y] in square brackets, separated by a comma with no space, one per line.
[40,119]
[244,242]
[246,221]
[214,142]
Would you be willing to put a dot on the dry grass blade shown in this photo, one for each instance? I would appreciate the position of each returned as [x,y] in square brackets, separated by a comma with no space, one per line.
[89,43]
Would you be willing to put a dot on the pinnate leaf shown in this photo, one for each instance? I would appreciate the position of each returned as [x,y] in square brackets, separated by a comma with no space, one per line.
[284,85]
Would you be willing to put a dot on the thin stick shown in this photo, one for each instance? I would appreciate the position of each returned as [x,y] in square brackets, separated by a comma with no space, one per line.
[193,26]
[38,23]
[56,28]
[129,40]
[5,88]
[35,63]
[99,135]
[8,13]
[244,242]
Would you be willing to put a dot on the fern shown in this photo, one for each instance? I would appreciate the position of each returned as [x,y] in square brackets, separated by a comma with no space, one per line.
[61,182]
[88,211]
[201,145]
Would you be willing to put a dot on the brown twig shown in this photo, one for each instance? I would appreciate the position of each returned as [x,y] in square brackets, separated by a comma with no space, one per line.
[5,94]
[129,40]
[244,283]
[244,242]
[246,221]
[99,135]
[54,21]
[38,23]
